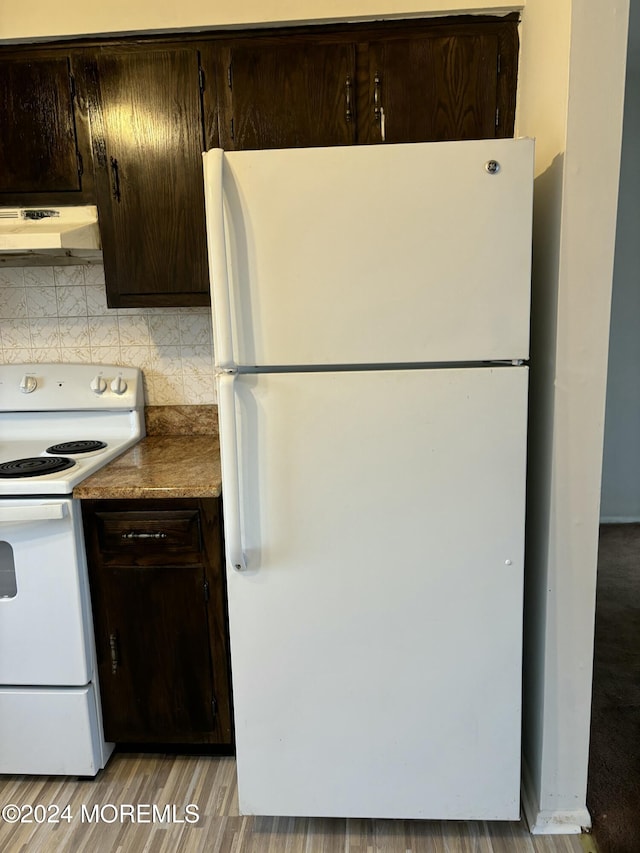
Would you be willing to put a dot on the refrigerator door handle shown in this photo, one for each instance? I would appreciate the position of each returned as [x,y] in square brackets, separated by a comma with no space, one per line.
[218,271]
[230,472]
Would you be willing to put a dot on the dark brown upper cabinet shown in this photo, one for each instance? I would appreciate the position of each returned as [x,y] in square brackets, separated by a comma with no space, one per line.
[419,81]
[438,86]
[145,114]
[283,93]
[44,148]
[123,123]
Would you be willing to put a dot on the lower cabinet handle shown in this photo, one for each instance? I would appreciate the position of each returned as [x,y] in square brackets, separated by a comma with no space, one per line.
[113,645]
[133,534]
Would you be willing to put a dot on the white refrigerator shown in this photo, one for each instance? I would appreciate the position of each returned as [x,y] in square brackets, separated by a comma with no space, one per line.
[371,332]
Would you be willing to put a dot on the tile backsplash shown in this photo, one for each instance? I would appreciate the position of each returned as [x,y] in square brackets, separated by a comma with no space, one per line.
[60,314]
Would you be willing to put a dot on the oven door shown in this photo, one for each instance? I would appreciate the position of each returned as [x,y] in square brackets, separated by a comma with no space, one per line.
[45,614]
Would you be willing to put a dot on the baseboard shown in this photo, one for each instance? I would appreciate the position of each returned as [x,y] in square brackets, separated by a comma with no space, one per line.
[620,519]
[548,821]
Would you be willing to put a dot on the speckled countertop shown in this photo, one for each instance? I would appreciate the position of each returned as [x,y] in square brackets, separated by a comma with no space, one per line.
[179,458]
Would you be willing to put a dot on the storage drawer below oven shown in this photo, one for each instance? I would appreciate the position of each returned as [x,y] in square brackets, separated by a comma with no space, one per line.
[50,731]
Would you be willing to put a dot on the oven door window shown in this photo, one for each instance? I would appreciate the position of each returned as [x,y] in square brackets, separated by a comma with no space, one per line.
[8,586]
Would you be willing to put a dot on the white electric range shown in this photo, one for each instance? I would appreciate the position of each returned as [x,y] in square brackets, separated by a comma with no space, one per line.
[58,424]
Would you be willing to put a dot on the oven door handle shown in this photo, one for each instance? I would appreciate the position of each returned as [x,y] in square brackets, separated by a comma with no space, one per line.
[31,512]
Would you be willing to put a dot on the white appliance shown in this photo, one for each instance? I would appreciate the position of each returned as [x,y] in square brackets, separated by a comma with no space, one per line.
[58,424]
[371,324]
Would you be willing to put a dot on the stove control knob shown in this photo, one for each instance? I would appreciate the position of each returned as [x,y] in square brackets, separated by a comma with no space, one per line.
[98,385]
[118,386]
[28,384]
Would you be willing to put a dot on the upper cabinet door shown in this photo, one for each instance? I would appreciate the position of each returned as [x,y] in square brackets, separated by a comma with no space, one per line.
[39,149]
[285,93]
[147,132]
[440,86]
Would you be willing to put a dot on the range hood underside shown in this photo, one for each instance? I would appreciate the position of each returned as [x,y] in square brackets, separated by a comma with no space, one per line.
[48,258]
[59,232]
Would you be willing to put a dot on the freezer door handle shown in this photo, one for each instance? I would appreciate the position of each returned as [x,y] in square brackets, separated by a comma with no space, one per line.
[213,167]
[230,471]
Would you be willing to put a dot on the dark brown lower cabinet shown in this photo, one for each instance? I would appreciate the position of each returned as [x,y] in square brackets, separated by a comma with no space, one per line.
[159,609]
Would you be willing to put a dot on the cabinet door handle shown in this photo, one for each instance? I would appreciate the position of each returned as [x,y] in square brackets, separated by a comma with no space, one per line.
[378,109]
[348,113]
[115,659]
[377,87]
[133,534]
[115,178]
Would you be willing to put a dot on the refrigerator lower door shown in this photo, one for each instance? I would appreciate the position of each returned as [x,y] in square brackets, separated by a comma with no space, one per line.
[376,630]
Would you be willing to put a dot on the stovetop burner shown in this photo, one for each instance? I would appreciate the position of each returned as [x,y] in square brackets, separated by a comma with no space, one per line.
[34,466]
[76,447]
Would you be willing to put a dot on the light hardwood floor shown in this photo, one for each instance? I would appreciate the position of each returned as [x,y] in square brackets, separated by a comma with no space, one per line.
[209,783]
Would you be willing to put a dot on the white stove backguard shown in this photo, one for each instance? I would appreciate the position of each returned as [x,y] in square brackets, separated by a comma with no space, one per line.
[69,387]
[44,404]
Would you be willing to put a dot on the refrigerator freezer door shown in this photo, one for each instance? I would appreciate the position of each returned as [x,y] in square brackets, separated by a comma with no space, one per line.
[376,631]
[371,254]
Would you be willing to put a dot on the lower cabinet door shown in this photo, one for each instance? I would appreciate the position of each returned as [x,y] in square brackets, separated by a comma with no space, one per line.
[155,667]
[156,572]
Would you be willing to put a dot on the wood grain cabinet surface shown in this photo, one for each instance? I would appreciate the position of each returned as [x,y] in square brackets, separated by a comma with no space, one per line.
[122,123]
[283,92]
[444,83]
[145,116]
[44,143]
[156,573]
[439,80]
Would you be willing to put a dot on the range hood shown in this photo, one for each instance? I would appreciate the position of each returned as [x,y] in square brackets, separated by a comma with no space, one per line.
[49,230]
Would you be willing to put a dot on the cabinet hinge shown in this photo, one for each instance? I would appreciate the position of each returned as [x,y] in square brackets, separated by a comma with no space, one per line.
[230,77]
[497,116]
[232,130]
[499,63]
[80,164]
[72,86]
[201,79]
[206,591]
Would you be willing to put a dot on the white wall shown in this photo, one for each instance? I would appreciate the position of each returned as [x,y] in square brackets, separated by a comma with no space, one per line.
[578,75]
[570,99]
[31,19]
[621,465]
